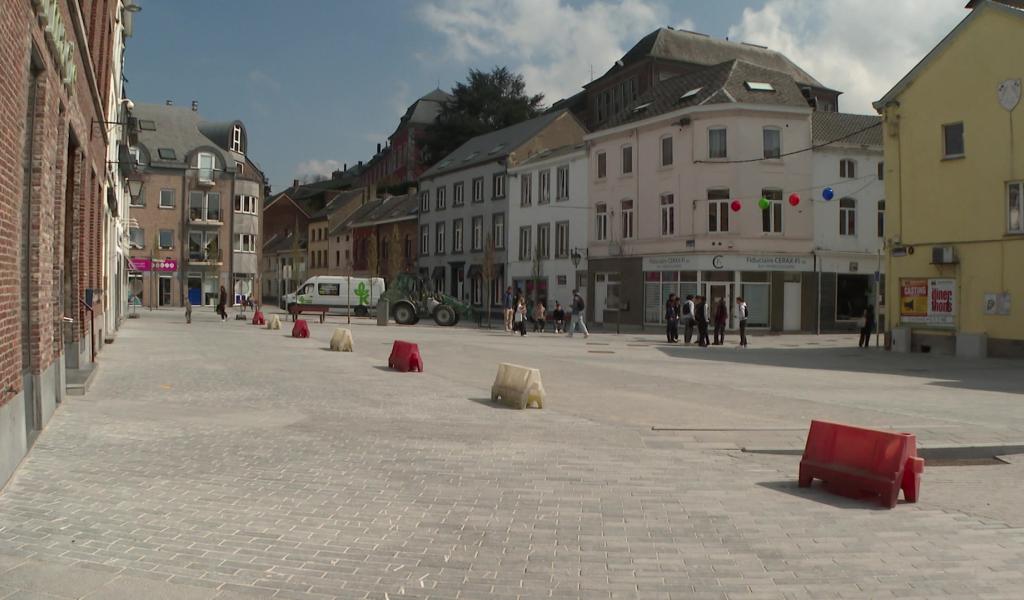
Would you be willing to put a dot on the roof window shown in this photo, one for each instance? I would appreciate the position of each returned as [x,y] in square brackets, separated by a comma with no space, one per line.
[167,154]
[759,86]
[496,149]
[690,94]
[147,125]
[641,108]
[471,156]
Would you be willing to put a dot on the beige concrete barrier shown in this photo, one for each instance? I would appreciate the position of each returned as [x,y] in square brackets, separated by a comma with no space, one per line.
[341,340]
[274,322]
[518,386]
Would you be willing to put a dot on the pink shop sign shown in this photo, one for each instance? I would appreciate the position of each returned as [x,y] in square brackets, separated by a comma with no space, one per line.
[154,264]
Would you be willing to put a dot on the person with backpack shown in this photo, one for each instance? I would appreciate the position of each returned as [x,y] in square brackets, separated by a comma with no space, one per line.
[688,320]
[578,308]
[701,315]
[741,307]
[672,319]
[508,305]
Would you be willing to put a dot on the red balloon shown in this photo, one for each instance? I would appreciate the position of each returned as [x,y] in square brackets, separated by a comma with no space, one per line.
[736,206]
[794,199]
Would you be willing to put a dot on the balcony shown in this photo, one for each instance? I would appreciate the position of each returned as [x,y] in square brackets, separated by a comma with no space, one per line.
[206,257]
[197,216]
[205,177]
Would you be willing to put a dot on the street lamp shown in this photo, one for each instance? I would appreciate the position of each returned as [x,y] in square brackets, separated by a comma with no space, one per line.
[576,257]
[134,187]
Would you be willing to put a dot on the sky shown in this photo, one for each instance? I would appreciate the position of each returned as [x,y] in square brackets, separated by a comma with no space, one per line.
[319,83]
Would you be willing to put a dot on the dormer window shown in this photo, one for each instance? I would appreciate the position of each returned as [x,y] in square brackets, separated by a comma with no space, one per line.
[206,164]
[236,139]
[759,86]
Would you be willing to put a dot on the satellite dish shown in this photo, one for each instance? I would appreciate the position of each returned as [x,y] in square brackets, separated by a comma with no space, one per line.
[1009,94]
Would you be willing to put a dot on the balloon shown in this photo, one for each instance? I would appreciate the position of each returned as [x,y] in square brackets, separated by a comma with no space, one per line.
[827,194]
[736,206]
[764,203]
[794,199]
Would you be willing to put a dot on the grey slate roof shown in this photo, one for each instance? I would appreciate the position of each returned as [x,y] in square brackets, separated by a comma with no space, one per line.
[177,128]
[553,153]
[492,146]
[724,83]
[700,49]
[390,209]
[284,243]
[426,109]
[832,126]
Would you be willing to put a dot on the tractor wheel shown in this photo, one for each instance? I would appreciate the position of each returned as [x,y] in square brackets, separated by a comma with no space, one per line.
[362,311]
[445,316]
[404,314]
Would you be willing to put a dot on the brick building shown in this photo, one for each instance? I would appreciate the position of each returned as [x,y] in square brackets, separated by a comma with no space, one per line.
[401,159]
[56,66]
[389,224]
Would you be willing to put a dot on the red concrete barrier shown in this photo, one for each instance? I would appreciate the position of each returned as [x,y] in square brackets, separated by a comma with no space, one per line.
[405,357]
[257,318]
[300,329]
[855,461]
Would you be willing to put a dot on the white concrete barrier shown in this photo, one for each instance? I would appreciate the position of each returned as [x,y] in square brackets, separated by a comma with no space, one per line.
[274,322]
[518,386]
[341,340]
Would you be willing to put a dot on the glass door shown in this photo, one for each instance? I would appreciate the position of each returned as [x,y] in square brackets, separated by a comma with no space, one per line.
[714,292]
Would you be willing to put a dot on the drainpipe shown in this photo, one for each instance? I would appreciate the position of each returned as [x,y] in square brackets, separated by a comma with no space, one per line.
[817,271]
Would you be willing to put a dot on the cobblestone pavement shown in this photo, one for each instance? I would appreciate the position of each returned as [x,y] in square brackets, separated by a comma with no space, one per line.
[222,460]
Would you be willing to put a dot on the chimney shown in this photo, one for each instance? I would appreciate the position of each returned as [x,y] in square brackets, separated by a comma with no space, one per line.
[195,106]
[170,102]
[295,183]
[378,147]
[344,168]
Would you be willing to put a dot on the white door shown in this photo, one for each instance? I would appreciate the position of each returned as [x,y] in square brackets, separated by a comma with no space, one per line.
[791,302]
[600,297]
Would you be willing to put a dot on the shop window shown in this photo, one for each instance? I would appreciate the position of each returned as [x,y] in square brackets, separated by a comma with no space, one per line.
[758,299]
[853,293]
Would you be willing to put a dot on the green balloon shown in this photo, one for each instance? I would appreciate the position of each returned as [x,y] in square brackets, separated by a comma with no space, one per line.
[764,203]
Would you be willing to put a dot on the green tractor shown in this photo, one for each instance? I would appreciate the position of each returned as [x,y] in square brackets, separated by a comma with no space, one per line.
[410,300]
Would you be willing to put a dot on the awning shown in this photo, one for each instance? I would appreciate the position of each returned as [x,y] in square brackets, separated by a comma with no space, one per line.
[475,271]
[438,273]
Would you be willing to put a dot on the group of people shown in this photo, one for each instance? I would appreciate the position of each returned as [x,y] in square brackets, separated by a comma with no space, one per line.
[697,312]
[517,314]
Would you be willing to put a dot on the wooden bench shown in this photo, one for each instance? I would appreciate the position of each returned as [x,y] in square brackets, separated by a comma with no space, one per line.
[297,309]
[855,461]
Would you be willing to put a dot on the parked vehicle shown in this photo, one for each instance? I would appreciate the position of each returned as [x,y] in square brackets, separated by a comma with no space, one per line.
[411,300]
[340,294]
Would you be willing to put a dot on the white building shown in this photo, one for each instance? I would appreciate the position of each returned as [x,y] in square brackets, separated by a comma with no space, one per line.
[848,229]
[547,224]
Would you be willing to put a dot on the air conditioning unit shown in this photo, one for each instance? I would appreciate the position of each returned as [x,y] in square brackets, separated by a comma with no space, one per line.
[944,255]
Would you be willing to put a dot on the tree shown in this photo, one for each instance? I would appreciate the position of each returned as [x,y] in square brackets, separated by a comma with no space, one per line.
[488,270]
[372,260]
[485,102]
[396,260]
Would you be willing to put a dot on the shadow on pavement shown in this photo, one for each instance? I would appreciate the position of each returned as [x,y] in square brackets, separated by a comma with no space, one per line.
[819,494]
[491,404]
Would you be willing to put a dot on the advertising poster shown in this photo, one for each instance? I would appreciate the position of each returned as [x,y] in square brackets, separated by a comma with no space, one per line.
[928,302]
[913,299]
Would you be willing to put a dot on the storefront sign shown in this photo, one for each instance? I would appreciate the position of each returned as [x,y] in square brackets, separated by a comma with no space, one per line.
[153,264]
[728,262]
[52,20]
[997,304]
[928,301]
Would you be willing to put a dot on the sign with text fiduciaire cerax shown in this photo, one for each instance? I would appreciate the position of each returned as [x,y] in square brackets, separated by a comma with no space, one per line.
[728,262]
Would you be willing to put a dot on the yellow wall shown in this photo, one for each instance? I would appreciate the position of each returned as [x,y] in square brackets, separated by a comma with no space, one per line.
[960,202]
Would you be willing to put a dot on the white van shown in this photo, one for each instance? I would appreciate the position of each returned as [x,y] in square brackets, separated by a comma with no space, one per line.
[340,294]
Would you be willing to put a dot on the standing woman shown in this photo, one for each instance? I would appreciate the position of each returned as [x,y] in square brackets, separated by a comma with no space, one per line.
[671,319]
[222,303]
[867,325]
[721,317]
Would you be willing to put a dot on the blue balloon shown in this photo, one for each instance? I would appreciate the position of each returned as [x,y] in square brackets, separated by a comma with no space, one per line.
[827,194]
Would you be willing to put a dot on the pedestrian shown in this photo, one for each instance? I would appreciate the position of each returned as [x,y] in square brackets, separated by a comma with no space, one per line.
[558,316]
[578,309]
[188,311]
[867,325]
[721,317]
[688,319]
[742,312]
[539,316]
[519,318]
[222,304]
[672,319]
[508,308]
[700,311]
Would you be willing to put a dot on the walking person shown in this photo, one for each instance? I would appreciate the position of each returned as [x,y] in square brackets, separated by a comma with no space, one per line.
[672,319]
[507,303]
[539,317]
[867,326]
[519,318]
[188,311]
[558,316]
[688,320]
[741,309]
[700,311]
[222,303]
[721,317]
[578,308]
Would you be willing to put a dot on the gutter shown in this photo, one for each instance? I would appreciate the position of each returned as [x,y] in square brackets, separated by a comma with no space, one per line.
[83,51]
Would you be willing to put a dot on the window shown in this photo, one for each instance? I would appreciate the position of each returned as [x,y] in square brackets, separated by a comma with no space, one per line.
[526,189]
[562,239]
[772,142]
[562,181]
[718,210]
[140,201]
[457,236]
[246,242]
[425,240]
[881,218]
[525,243]
[166,239]
[476,290]
[1015,207]
[458,193]
[236,138]
[602,164]
[478,189]
[666,151]
[203,246]
[147,125]
[166,154]
[601,225]
[881,170]
[627,219]
[544,178]
[204,206]
[498,231]
[953,140]
[668,214]
[759,86]
[206,163]
[439,238]
[328,289]
[771,217]
[847,169]
[499,185]
[441,199]
[239,168]
[544,240]
[166,198]
[476,236]
[847,216]
[137,237]
[425,201]
[246,204]
[627,160]
[717,143]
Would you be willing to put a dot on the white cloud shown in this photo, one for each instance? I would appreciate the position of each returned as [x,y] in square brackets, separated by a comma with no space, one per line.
[263,81]
[860,47]
[317,167]
[553,43]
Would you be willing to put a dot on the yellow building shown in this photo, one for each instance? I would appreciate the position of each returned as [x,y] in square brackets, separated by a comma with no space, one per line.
[954,170]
